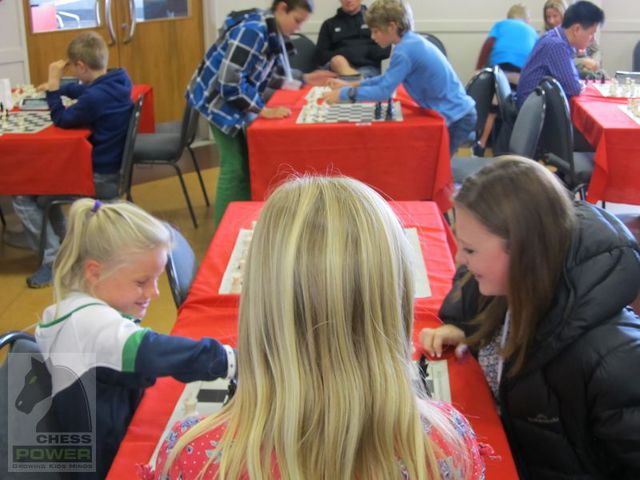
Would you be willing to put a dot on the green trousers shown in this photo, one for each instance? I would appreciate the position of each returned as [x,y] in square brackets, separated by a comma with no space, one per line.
[233,182]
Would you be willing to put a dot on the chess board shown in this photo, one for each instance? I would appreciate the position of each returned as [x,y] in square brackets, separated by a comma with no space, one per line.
[232,279]
[346,113]
[25,122]
[621,90]
[316,93]
[206,398]
[630,113]
[198,398]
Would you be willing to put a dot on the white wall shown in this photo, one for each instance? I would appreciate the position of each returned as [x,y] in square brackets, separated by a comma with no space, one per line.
[13,49]
[463,25]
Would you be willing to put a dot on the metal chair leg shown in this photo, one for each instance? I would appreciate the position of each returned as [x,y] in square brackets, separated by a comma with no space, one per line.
[197,167]
[4,222]
[186,194]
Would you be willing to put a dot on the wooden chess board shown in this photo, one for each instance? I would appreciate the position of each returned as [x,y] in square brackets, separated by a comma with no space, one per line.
[25,122]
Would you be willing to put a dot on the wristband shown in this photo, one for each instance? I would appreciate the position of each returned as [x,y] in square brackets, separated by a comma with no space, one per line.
[351,94]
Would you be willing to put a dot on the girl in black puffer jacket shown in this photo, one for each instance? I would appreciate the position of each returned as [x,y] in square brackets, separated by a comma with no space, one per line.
[540,297]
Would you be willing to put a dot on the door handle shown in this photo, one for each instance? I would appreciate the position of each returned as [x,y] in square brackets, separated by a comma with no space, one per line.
[112,32]
[98,19]
[132,20]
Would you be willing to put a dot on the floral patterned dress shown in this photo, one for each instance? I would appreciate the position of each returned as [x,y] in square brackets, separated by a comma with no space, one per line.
[193,457]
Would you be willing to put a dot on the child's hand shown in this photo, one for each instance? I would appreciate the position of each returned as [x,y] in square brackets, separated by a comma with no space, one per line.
[331,97]
[318,77]
[434,339]
[55,74]
[275,112]
[42,87]
[337,83]
[56,68]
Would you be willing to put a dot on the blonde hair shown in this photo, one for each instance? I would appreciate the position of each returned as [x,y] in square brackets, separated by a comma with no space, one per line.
[382,12]
[519,10]
[108,233]
[523,203]
[89,48]
[326,385]
[559,5]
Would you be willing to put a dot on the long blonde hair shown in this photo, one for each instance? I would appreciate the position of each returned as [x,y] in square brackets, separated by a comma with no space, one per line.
[525,204]
[106,232]
[326,385]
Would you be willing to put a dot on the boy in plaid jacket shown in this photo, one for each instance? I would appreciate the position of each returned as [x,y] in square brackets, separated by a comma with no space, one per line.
[228,85]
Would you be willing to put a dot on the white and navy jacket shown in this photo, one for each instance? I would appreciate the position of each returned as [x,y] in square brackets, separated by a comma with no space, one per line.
[86,342]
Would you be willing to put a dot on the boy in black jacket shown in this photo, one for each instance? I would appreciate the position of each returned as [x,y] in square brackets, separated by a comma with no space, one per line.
[345,45]
[104,106]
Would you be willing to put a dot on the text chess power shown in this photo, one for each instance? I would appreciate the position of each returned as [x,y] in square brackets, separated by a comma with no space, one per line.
[25,122]
[347,113]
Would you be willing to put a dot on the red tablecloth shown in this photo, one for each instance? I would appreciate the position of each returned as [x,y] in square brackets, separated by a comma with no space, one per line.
[616,174]
[406,160]
[205,312]
[147,115]
[57,161]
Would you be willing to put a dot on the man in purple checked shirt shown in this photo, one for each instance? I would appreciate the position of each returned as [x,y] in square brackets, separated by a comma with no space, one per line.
[553,53]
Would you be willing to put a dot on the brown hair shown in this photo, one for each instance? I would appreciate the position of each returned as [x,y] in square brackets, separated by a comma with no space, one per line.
[382,12]
[293,4]
[523,203]
[89,48]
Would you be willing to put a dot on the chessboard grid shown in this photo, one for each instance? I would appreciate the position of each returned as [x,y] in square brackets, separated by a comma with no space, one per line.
[25,122]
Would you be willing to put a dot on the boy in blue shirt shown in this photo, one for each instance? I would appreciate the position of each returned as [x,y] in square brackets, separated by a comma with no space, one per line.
[418,65]
[104,106]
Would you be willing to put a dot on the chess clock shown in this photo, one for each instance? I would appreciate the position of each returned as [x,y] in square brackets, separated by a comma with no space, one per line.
[34,103]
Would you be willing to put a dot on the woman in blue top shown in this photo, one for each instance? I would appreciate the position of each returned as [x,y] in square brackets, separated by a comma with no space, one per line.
[418,65]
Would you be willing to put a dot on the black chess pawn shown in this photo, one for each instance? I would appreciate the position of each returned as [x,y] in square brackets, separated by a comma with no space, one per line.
[389,115]
[378,111]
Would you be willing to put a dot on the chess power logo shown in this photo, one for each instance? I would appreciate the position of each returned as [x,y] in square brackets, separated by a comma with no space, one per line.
[35,441]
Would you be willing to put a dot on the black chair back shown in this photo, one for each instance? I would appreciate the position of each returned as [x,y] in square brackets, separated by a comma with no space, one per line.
[504,95]
[189,126]
[39,388]
[528,125]
[636,57]
[126,168]
[557,132]
[481,88]
[436,41]
[181,267]
[305,50]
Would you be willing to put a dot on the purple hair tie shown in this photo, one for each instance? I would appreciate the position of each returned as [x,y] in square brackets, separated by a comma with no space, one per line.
[96,206]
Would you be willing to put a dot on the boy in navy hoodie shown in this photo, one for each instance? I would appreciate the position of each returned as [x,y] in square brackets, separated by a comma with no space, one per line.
[104,106]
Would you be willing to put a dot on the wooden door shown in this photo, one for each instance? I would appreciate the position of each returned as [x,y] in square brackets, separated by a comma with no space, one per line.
[161,48]
[164,53]
[47,43]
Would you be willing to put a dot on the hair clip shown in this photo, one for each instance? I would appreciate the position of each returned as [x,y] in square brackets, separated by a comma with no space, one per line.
[96,206]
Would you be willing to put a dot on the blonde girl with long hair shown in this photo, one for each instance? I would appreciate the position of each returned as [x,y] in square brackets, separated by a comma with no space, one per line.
[105,276]
[540,297]
[326,385]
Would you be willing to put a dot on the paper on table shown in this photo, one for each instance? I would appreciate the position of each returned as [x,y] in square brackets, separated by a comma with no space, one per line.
[5,93]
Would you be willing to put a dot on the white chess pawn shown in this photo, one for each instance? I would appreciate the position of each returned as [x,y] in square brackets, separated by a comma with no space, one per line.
[190,407]
[236,282]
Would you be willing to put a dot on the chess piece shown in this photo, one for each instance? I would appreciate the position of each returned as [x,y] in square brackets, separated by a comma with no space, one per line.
[190,407]
[389,115]
[378,111]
